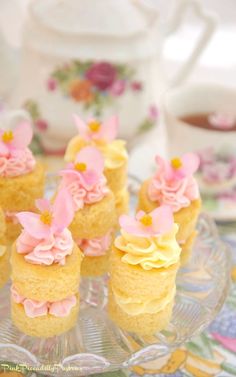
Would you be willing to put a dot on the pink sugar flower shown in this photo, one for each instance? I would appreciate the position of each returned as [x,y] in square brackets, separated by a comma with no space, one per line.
[94,130]
[155,223]
[52,219]
[179,167]
[17,139]
[87,168]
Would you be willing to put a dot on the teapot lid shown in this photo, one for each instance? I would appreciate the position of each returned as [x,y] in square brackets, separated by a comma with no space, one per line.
[87,29]
[90,17]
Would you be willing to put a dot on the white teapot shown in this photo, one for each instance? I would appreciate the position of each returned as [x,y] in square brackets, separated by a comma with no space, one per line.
[96,58]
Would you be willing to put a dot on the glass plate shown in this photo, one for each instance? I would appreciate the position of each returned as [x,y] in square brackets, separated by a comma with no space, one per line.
[96,344]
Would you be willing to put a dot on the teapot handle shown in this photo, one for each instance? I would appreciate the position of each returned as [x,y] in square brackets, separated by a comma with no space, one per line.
[209,19]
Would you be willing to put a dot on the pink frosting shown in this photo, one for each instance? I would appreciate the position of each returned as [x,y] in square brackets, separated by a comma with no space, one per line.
[18,162]
[40,308]
[82,195]
[174,184]
[175,193]
[95,247]
[54,249]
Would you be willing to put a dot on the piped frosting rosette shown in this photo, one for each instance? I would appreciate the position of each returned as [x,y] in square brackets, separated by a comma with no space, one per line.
[173,183]
[84,178]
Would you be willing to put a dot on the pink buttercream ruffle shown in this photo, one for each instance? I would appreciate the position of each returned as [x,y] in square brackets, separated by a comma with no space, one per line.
[18,162]
[176,193]
[83,195]
[45,251]
[35,308]
[95,247]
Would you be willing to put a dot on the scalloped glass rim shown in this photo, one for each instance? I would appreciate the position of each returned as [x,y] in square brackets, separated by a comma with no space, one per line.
[97,345]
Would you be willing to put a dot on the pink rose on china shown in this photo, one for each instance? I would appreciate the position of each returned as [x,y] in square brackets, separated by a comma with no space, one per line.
[102,75]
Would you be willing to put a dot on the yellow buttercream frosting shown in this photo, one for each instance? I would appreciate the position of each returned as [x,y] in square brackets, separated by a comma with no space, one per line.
[115,153]
[149,252]
[3,249]
[135,306]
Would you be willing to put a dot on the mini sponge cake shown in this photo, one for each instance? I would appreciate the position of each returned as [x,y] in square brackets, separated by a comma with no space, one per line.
[95,266]
[143,267]
[43,326]
[142,324]
[38,282]
[46,267]
[117,178]
[96,219]
[19,193]
[138,281]
[122,201]
[51,284]
[13,230]
[95,211]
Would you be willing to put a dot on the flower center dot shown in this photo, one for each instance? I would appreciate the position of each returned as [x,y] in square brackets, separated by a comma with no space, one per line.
[46,217]
[94,126]
[146,220]
[176,163]
[7,136]
[80,166]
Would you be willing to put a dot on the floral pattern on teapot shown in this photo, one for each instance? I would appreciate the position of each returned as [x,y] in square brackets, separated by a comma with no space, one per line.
[95,85]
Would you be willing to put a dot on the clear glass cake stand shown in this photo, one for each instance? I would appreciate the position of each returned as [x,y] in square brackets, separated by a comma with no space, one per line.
[96,344]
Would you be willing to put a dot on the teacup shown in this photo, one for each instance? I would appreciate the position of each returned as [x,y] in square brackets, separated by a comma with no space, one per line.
[202,118]
[200,99]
